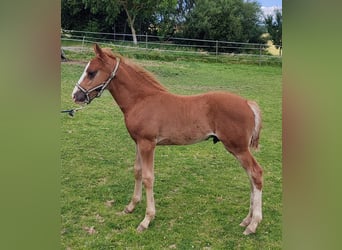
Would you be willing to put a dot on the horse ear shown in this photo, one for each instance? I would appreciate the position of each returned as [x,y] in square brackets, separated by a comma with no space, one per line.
[98,50]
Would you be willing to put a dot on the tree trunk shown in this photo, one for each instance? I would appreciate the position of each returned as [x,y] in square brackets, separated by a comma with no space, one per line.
[131,25]
[134,35]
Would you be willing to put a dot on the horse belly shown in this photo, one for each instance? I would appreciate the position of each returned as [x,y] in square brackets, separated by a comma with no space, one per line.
[179,141]
[183,136]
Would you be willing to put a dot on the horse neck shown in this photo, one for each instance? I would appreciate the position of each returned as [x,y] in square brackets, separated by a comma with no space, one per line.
[131,85]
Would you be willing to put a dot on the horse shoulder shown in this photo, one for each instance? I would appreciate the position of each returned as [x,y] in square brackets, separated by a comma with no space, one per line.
[145,115]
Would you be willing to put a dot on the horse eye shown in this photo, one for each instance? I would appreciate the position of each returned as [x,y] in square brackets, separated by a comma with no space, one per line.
[91,74]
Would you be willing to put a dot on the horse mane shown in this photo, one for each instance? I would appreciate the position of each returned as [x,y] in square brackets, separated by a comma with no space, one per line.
[148,76]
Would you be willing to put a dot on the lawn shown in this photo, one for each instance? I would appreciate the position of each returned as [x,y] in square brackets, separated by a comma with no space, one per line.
[201,191]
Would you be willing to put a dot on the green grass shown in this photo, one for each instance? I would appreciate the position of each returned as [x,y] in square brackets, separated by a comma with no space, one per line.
[201,191]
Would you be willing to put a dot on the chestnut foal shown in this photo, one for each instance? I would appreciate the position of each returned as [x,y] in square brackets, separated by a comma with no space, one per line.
[154,116]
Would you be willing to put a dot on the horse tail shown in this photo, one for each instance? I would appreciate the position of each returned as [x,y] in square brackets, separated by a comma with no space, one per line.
[254,141]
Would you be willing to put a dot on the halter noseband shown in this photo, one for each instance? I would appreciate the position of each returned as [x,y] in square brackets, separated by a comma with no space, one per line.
[100,88]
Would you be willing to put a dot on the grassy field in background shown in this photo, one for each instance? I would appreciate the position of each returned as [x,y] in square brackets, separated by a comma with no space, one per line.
[201,191]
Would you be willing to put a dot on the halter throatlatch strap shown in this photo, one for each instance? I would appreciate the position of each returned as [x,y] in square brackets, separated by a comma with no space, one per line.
[100,88]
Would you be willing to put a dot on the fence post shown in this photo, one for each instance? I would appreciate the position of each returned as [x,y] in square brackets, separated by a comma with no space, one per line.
[146,39]
[216,49]
[114,32]
[259,54]
[83,43]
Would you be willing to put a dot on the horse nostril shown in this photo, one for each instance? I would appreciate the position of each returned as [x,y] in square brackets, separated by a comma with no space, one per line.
[79,96]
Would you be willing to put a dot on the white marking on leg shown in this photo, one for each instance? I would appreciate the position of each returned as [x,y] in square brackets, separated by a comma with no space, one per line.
[150,210]
[257,212]
[257,205]
[247,220]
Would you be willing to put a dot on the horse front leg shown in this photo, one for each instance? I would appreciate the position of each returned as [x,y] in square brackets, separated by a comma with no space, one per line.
[136,198]
[146,154]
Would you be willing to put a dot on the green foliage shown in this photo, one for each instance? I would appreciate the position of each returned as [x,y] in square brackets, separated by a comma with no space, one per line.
[166,18]
[141,8]
[108,9]
[230,20]
[201,191]
[274,25]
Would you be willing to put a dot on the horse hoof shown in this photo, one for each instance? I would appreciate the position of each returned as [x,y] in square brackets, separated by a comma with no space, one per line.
[248,231]
[127,211]
[243,224]
[246,222]
[141,228]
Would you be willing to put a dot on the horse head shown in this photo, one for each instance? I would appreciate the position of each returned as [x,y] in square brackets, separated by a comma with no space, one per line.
[96,76]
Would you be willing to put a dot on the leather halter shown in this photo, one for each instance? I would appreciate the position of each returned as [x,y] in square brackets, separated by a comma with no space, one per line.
[100,88]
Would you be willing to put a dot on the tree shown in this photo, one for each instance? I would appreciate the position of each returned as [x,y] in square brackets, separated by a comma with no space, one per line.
[251,16]
[134,10]
[165,18]
[143,9]
[169,16]
[71,15]
[229,20]
[274,28]
[88,15]
[104,13]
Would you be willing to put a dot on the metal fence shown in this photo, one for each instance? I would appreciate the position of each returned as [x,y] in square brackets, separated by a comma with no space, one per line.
[247,52]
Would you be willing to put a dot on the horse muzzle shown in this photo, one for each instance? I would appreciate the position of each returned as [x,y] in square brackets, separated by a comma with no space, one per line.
[79,96]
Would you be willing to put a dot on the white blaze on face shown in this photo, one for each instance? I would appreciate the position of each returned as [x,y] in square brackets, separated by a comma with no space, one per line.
[80,80]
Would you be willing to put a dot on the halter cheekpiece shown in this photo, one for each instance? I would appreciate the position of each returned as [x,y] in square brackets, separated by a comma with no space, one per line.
[100,88]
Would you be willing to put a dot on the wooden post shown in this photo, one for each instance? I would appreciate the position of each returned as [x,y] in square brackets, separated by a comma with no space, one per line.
[259,54]
[83,43]
[216,49]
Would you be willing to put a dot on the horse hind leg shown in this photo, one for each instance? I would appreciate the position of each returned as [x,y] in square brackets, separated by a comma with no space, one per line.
[254,172]
[247,220]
